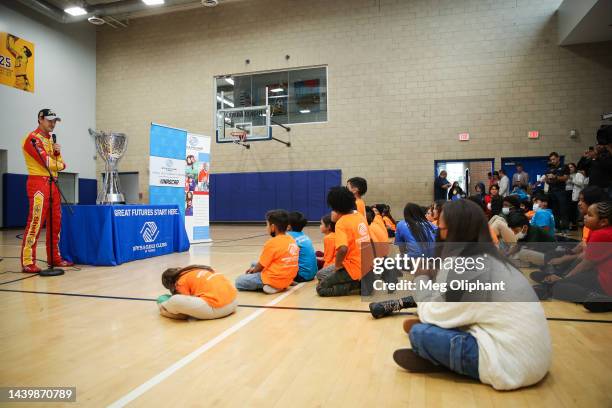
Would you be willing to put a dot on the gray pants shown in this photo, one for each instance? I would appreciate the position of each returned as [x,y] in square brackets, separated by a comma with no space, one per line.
[183,307]
[325,272]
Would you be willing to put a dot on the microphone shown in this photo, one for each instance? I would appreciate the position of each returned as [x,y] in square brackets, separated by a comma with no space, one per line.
[54,136]
[33,141]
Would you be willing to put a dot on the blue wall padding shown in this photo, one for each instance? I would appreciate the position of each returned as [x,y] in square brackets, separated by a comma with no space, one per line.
[88,191]
[15,200]
[248,196]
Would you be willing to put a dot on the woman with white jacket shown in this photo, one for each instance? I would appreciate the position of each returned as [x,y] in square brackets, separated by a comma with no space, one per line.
[499,337]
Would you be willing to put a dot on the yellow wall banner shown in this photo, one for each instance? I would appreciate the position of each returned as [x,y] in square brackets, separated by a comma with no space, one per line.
[16,62]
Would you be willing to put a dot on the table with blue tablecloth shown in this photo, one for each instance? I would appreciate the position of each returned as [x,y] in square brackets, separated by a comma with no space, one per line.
[114,234]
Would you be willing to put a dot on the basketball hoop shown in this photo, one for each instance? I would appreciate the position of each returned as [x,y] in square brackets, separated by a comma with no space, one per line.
[240,135]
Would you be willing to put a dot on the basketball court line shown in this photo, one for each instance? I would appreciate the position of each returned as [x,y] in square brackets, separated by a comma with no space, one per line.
[266,306]
[19,279]
[152,382]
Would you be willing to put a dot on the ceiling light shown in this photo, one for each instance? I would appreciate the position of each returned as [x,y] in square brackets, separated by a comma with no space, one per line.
[305,111]
[229,81]
[225,101]
[75,11]
[153,2]
[277,90]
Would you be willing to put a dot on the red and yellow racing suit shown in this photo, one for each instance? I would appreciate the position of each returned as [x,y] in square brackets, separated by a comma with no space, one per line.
[38,195]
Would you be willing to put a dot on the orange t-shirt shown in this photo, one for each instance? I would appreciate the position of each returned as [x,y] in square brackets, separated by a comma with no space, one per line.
[388,223]
[329,249]
[379,236]
[212,287]
[280,261]
[360,206]
[586,231]
[351,231]
[379,220]
[529,214]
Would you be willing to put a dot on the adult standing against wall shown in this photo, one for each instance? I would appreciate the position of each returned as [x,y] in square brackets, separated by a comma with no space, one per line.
[520,178]
[504,183]
[556,178]
[441,186]
[40,152]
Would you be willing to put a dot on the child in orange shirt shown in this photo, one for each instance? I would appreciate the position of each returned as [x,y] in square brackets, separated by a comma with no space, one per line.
[197,291]
[390,223]
[378,232]
[328,229]
[278,262]
[351,232]
[358,186]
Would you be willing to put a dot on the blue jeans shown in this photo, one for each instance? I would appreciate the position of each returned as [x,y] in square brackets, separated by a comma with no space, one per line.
[451,348]
[251,281]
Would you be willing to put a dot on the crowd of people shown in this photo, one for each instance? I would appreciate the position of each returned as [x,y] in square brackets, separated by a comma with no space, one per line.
[509,223]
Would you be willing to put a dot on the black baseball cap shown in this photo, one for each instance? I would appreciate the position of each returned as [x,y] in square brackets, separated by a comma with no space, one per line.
[48,114]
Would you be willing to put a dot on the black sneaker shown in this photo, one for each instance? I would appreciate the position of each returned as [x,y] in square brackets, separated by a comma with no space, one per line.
[538,276]
[410,361]
[387,307]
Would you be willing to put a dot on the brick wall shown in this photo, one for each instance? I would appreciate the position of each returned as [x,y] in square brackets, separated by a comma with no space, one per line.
[405,77]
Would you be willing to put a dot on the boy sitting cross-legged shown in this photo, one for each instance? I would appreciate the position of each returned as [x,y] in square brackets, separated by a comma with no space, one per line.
[278,262]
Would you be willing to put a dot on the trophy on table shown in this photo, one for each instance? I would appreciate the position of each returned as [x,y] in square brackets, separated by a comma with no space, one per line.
[111,147]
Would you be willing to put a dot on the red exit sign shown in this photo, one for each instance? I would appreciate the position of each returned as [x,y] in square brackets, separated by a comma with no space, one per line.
[464,137]
[533,134]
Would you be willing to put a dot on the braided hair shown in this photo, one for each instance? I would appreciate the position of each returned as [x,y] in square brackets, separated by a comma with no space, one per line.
[604,210]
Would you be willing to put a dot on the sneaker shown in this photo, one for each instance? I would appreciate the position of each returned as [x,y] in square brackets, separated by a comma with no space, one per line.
[62,263]
[408,323]
[30,269]
[387,307]
[538,276]
[270,290]
[410,361]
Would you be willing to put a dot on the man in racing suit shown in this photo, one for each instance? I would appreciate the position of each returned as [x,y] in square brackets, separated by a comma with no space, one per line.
[39,151]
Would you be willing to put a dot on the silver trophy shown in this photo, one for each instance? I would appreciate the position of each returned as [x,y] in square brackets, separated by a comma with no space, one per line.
[111,147]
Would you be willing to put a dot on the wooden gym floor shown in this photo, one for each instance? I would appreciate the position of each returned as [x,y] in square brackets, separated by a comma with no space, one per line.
[98,329]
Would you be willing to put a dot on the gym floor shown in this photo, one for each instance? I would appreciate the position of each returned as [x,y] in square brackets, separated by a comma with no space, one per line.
[98,329]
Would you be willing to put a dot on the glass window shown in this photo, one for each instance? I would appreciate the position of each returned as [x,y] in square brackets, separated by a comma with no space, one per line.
[295,96]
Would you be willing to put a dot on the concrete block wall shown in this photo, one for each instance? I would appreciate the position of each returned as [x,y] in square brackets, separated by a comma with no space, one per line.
[404,78]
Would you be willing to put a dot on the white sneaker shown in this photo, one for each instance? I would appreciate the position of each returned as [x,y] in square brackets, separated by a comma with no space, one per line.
[270,290]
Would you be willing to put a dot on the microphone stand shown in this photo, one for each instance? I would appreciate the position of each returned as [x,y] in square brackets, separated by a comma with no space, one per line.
[51,271]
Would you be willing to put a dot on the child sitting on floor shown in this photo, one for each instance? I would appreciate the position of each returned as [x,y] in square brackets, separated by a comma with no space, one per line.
[543,216]
[196,291]
[390,223]
[499,338]
[278,262]
[307,263]
[358,186]
[328,229]
[351,232]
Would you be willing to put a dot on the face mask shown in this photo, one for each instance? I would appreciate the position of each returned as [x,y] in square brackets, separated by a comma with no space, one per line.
[505,210]
[520,235]
[536,207]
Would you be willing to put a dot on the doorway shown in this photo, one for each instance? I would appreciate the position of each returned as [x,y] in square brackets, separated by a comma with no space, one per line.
[467,172]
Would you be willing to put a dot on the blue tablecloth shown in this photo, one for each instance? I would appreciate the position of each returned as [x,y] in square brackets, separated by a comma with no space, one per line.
[114,234]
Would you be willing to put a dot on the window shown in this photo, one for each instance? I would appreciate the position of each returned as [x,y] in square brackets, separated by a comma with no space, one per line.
[295,96]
